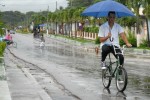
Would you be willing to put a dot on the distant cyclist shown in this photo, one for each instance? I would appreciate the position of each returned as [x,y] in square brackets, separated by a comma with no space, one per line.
[8,38]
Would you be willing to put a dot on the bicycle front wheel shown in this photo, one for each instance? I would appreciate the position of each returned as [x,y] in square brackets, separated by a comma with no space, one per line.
[14,44]
[106,78]
[121,79]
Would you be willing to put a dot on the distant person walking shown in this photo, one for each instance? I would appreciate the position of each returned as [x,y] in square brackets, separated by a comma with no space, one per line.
[42,44]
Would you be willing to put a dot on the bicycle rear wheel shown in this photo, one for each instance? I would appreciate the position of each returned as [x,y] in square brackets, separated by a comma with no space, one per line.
[106,78]
[121,79]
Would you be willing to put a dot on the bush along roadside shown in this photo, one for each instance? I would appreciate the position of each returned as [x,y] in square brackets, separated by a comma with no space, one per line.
[131,38]
[2,65]
[2,48]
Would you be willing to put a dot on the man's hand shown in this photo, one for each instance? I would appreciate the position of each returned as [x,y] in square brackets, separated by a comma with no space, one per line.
[103,39]
[129,45]
[109,35]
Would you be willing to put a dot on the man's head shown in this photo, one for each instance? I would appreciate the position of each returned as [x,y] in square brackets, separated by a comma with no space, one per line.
[111,17]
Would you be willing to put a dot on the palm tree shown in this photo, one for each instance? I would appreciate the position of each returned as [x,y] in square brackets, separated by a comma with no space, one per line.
[81,19]
[62,19]
[51,21]
[76,16]
[54,22]
[70,15]
[65,20]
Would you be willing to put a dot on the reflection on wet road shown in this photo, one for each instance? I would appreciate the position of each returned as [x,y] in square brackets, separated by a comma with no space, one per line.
[88,64]
[73,56]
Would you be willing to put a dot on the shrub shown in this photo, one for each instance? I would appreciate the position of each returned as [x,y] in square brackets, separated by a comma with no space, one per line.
[86,29]
[131,38]
[96,29]
[2,48]
[93,29]
[97,41]
[144,44]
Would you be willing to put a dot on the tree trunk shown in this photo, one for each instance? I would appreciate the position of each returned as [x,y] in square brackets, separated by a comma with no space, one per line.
[75,29]
[148,32]
[71,30]
[56,28]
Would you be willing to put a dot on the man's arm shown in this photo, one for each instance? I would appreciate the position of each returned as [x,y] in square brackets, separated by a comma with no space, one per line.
[124,38]
[103,39]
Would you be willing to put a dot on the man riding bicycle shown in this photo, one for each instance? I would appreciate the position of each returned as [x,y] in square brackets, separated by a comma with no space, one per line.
[109,35]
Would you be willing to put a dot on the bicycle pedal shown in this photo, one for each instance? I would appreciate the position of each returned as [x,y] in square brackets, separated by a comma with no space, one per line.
[120,66]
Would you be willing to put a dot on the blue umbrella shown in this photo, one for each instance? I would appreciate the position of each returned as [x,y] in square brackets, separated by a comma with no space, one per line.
[42,25]
[102,8]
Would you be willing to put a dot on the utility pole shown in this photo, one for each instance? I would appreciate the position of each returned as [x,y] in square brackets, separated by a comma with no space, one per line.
[71,3]
[56,5]
[47,31]
[56,20]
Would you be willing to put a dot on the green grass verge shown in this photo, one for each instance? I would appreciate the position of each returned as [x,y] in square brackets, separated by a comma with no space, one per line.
[82,40]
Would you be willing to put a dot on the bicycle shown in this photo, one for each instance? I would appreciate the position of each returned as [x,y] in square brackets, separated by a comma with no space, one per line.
[11,43]
[119,73]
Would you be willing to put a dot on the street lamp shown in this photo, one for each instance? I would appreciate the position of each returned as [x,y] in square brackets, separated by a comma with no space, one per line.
[47,31]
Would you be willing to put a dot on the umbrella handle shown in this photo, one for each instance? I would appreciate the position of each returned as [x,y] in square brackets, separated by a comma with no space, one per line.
[111,39]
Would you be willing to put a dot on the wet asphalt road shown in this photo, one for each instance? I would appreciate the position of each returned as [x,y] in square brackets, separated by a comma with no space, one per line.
[74,72]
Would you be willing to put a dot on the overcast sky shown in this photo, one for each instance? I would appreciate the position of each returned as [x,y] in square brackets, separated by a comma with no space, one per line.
[31,5]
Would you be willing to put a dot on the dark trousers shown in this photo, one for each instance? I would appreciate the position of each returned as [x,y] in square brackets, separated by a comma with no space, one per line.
[8,41]
[106,49]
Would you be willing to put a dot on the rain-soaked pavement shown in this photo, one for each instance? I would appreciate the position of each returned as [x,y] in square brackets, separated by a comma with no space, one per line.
[69,71]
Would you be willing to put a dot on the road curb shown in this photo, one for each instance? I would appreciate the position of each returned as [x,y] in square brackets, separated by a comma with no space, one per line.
[92,47]
[43,95]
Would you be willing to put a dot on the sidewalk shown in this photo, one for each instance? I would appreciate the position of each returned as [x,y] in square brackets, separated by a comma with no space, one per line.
[22,84]
[4,89]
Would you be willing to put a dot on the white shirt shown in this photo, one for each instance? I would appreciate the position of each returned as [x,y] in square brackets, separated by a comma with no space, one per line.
[115,31]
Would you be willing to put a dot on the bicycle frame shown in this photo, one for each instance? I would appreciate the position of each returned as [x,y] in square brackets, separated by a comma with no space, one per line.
[110,66]
[117,62]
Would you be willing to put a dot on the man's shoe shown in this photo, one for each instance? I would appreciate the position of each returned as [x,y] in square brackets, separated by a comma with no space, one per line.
[103,65]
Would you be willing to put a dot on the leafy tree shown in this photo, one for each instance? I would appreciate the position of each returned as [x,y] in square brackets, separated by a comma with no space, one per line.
[79,3]
[11,18]
[1,29]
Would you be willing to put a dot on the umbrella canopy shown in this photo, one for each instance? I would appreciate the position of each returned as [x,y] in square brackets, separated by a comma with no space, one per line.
[102,8]
[42,25]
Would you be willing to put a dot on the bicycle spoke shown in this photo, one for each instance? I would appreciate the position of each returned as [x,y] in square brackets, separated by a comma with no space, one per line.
[121,79]
[106,78]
